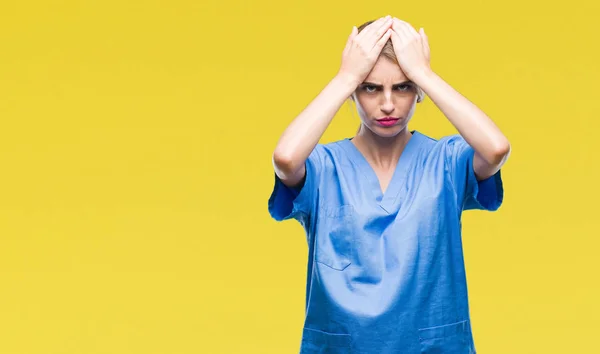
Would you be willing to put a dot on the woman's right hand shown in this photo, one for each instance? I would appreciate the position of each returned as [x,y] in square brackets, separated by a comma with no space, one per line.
[302,135]
[362,49]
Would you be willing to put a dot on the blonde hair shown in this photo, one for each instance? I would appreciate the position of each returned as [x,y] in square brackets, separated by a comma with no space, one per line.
[388,52]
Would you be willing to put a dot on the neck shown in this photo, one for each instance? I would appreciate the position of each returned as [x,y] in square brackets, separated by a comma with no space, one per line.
[381,151]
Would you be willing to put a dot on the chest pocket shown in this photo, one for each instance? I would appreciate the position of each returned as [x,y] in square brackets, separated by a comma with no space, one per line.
[335,237]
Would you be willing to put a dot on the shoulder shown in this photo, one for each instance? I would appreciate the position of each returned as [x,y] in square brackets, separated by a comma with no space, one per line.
[443,144]
[333,146]
[330,151]
[326,158]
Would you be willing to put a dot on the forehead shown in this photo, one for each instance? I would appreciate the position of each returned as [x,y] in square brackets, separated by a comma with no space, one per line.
[386,71]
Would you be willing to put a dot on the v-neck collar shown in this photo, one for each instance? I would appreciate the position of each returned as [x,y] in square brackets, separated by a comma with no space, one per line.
[385,200]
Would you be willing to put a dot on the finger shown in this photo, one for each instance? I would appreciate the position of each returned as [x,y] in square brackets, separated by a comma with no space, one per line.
[404,27]
[381,31]
[396,40]
[366,30]
[352,35]
[425,41]
[401,32]
[372,38]
[374,25]
[350,38]
[410,28]
[384,38]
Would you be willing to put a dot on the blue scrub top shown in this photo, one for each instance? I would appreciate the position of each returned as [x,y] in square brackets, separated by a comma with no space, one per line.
[386,270]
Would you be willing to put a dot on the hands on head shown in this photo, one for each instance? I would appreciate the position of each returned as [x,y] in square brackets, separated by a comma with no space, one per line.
[363,49]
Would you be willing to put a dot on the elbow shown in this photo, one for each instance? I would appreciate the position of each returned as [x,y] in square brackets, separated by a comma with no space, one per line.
[283,163]
[499,153]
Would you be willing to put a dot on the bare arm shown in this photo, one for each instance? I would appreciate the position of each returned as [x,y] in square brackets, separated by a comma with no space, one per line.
[302,135]
[491,146]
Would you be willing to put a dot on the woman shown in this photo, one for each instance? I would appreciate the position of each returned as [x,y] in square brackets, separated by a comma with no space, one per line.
[382,210]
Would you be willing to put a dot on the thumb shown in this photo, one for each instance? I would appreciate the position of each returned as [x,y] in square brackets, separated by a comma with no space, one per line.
[350,38]
[423,35]
[425,42]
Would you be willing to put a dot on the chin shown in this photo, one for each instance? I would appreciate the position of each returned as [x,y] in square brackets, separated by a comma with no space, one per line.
[387,132]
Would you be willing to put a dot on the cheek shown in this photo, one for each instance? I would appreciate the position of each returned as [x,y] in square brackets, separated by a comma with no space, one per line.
[367,102]
[406,102]
[411,107]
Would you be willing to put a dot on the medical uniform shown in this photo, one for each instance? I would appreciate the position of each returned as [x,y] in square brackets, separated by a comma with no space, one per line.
[385,270]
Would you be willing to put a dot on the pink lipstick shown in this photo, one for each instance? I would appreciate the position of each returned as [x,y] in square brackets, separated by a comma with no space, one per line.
[387,121]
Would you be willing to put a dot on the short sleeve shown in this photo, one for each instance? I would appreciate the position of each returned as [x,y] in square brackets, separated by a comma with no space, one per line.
[487,194]
[296,203]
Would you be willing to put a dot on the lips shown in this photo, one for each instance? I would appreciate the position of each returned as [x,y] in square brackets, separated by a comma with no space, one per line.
[387,122]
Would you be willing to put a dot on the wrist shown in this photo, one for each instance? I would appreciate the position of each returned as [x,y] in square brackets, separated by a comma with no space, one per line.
[422,76]
[347,81]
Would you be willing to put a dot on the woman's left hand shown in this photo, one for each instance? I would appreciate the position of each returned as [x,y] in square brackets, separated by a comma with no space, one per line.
[411,49]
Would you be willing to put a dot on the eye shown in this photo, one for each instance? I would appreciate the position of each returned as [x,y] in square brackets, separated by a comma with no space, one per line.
[369,88]
[404,87]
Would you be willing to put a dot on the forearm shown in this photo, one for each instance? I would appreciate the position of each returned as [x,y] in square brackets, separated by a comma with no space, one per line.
[470,121]
[304,132]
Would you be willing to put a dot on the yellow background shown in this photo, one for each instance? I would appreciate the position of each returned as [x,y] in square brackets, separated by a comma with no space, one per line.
[135,147]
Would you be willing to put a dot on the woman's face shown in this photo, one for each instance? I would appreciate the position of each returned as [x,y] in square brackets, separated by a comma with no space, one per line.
[386,100]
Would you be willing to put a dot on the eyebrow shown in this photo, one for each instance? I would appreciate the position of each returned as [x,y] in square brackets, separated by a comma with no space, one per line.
[367,83]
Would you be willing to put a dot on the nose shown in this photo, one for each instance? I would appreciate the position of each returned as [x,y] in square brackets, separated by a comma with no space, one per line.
[387,106]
